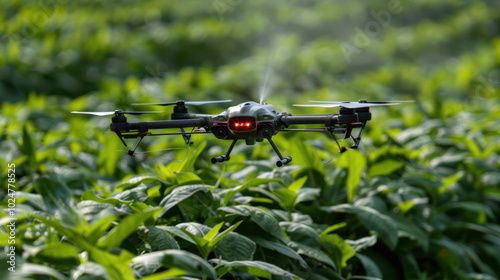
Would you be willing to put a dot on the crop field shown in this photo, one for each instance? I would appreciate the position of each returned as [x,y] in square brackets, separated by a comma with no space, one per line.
[419,199]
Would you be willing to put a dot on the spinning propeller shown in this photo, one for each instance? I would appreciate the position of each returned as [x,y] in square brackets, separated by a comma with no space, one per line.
[116,112]
[182,102]
[349,104]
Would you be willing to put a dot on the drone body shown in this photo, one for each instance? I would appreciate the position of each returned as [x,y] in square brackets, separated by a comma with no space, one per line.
[249,121]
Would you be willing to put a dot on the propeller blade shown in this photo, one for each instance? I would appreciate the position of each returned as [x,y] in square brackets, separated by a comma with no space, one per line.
[195,103]
[375,102]
[109,113]
[355,105]
[349,105]
[141,112]
[94,113]
[317,105]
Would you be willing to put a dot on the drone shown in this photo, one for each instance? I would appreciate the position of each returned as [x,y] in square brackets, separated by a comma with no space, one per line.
[249,121]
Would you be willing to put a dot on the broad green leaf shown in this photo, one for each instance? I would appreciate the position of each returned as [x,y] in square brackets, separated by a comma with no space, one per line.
[235,247]
[355,163]
[362,243]
[384,168]
[334,227]
[213,232]
[116,267]
[373,220]
[251,183]
[311,252]
[382,224]
[301,233]
[468,206]
[144,179]
[29,147]
[193,265]
[371,268]
[296,185]
[224,233]
[59,253]
[178,195]
[29,270]
[257,268]
[90,195]
[263,219]
[173,272]
[128,225]
[188,164]
[450,180]
[280,248]
[335,242]
[158,238]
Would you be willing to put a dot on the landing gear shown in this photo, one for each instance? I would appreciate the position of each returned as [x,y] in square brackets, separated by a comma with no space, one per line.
[282,160]
[225,157]
[279,163]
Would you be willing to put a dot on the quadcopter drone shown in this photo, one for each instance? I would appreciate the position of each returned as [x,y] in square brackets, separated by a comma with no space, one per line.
[249,121]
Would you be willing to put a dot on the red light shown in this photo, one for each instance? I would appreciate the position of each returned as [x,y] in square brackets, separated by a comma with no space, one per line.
[352,123]
[244,123]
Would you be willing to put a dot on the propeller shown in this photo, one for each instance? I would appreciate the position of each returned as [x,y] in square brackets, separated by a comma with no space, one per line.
[195,103]
[109,113]
[349,104]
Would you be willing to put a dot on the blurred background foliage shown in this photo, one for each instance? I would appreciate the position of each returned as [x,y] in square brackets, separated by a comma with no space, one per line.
[430,169]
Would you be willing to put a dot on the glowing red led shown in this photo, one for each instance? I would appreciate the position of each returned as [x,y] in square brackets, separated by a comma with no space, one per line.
[243,123]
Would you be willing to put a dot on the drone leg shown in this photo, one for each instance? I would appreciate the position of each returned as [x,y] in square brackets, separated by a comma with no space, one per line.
[341,149]
[121,137]
[187,139]
[282,160]
[358,138]
[225,157]
[131,153]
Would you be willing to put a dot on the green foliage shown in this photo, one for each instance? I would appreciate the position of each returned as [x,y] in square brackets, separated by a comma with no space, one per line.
[420,198]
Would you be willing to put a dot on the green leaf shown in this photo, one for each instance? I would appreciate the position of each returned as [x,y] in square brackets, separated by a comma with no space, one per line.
[251,183]
[257,268]
[28,270]
[450,180]
[224,233]
[311,252]
[188,165]
[157,238]
[373,220]
[337,246]
[173,272]
[58,253]
[90,195]
[235,247]
[280,248]
[263,219]
[128,225]
[301,233]
[468,206]
[29,147]
[371,268]
[384,168]
[178,195]
[296,185]
[213,232]
[355,163]
[382,224]
[193,265]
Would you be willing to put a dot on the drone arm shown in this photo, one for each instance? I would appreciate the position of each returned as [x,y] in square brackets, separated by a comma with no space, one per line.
[328,120]
[145,126]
